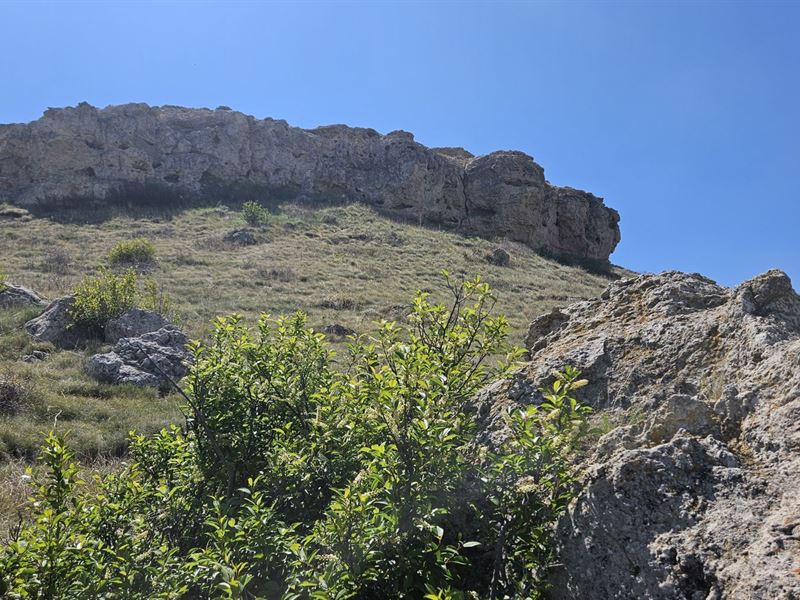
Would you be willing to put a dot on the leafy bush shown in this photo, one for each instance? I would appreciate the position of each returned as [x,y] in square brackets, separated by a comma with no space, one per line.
[107,295]
[137,251]
[254,214]
[294,480]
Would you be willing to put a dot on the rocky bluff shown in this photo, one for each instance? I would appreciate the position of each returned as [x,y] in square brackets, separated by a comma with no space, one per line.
[694,496]
[98,154]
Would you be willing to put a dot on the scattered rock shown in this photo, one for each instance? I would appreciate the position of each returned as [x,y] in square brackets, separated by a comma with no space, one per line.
[54,325]
[85,152]
[15,296]
[691,496]
[240,237]
[338,330]
[132,323]
[14,212]
[152,359]
[499,257]
[35,356]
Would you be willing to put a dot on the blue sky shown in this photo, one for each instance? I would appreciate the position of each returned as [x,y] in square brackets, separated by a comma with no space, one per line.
[684,116]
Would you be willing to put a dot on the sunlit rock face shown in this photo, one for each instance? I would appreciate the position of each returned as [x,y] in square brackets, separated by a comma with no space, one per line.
[136,152]
[695,494]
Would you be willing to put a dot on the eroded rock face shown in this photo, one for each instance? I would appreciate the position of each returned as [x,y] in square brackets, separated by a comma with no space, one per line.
[133,322]
[696,495]
[152,359]
[84,152]
[16,296]
[240,237]
[55,325]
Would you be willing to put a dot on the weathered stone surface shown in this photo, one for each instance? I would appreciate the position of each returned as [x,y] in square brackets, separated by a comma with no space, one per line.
[15,296]
[499,257]
[84,152]
[696,495]
[110,368]
[152,359]
[55,326]
[35,356]
[240,237]
[132,323]
[337,330]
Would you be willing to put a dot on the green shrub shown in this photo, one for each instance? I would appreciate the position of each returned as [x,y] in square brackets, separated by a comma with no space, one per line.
[106,295]
[296,480]
[137,251]
[254,214]
[3,280]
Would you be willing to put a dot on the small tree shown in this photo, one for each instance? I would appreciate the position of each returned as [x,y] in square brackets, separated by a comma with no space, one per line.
[254,214]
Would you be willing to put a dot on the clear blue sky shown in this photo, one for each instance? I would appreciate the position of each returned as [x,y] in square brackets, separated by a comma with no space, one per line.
[684,116]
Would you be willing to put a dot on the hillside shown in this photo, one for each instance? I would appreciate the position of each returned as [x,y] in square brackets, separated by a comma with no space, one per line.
[343,265]
[670,471]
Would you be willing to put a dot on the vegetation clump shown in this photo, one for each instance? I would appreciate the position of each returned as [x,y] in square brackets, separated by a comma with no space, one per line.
[292,479]
[3,280]
[106,295]
[134,252]
[12,394]
[254,214]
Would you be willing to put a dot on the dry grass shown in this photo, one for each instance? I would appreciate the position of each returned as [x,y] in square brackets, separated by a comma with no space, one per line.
[18,480]
[343,264]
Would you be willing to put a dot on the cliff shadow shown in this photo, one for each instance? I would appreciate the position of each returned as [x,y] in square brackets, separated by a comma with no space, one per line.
[156,201]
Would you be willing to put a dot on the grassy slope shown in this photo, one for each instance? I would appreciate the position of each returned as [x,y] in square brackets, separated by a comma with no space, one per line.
[342,264]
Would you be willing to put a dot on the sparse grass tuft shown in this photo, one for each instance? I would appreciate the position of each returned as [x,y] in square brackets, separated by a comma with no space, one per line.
[137,252]
[12,394]
[57,260]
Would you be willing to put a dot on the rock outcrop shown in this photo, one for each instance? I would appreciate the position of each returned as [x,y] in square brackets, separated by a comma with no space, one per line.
[695,495]
[55,325]
[152,359]
[16,296]
[136,151]
[240,237]
[132,323]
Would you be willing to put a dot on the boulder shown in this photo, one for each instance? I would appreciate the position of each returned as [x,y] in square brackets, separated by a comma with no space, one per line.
[335,329]
[153,359]
[35,356]
[240,237]
[695,494]
[499,257]
[54,325]
[133,322]
[110,368]
[15,296]
[134,152]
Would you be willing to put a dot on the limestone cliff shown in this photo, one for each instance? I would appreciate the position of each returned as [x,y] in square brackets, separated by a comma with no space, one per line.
[128,150]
